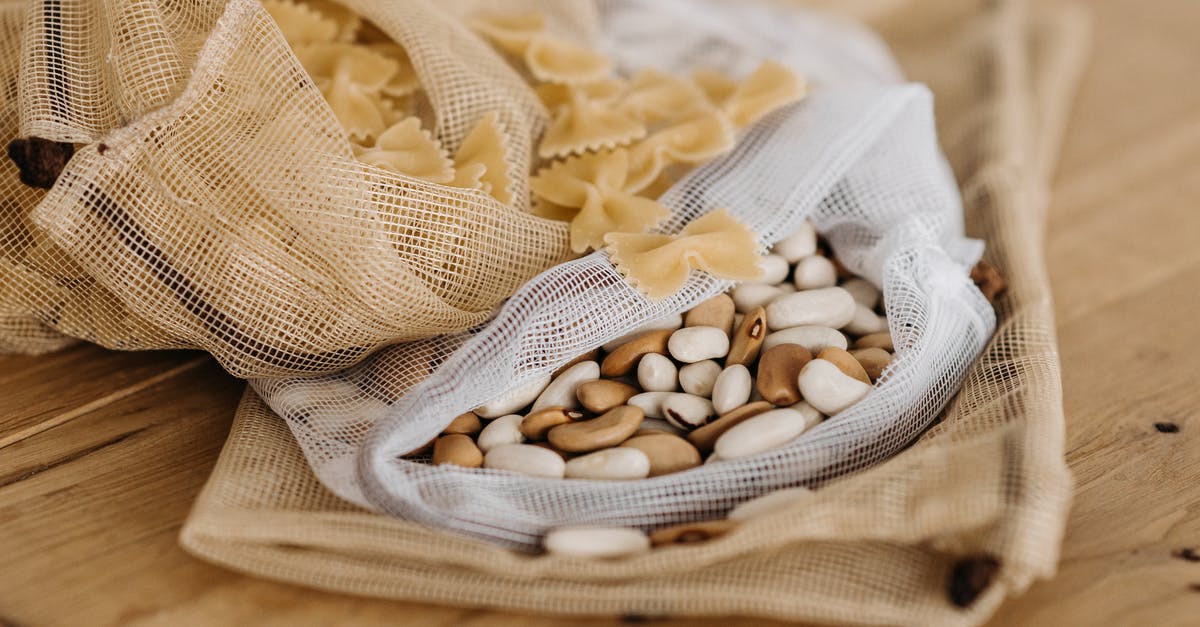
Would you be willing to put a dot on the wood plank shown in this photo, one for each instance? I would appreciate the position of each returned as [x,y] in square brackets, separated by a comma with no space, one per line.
[90,508]
[35,396]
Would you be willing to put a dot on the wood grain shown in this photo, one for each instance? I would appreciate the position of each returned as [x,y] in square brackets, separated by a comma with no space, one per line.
[102,453]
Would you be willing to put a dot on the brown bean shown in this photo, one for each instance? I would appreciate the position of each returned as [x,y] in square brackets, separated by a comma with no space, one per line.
[467,424]
[668,453]
[601,395]
[748,338]
[716,312]
[873,360]
[688,533]
[845,362]
[609,429]
[778,368]
[619,362]
[882,340]
[989,280]
[705,437]
[536,425]
[457,449]
[424,449]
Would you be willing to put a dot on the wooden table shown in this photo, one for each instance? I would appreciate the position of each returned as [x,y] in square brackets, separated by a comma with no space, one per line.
[102,453]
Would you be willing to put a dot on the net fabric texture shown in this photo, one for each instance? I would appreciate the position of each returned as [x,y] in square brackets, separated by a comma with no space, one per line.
[214,202]
[22,250]
[873,547]
[859,159]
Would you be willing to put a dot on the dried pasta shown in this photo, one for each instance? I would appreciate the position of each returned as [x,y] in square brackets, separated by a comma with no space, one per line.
[613,145]
[656,97]
[479,162]
[557,60]
[585,124]
[770,87]
[716,86]
[594,186]
[658,265]
[301,24]
[510,33]
[407,149]
[693,141]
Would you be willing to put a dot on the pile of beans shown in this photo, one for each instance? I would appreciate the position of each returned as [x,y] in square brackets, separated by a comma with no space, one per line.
[737,375]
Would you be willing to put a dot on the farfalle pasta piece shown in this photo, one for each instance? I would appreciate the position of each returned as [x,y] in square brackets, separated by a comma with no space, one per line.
[716,86]
[770,87]
[548,58]
[555,95]
[348,22]
[693,141]
[480,162]
[351,78]
[593,185]
[510,33]
[407,149]
[658,265]
[557,60]
[405,81]
[584,124]
[655,97]
[301,24]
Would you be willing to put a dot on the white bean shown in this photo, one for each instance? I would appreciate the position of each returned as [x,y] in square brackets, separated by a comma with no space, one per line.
[693,344]
[503,430]
[863,292]
[813,338]
[622,462]
[649,402]
[596,542]
[775,270]
[828,389]
[827,307]
[657,373]
[699,378]
[811,416]
[732,389]
[687,411]
[798,245]
[813,273]
[747,296]
[761,433]
[865,322]
[514,399]
[561,391]
[526,459]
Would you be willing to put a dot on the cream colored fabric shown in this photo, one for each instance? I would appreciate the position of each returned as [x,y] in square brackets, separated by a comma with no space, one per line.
[213,200]
[875,547]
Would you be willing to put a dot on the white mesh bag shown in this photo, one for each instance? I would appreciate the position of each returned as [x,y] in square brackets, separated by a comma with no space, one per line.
[859,158]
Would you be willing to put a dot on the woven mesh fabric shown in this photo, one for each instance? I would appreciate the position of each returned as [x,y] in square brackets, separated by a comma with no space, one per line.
[874,546]
[859,159]
[214,201]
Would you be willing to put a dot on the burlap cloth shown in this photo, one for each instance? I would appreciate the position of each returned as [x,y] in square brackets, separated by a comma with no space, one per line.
[986,485]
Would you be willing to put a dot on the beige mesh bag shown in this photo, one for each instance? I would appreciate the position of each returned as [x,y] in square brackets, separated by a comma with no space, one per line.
[214,202]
